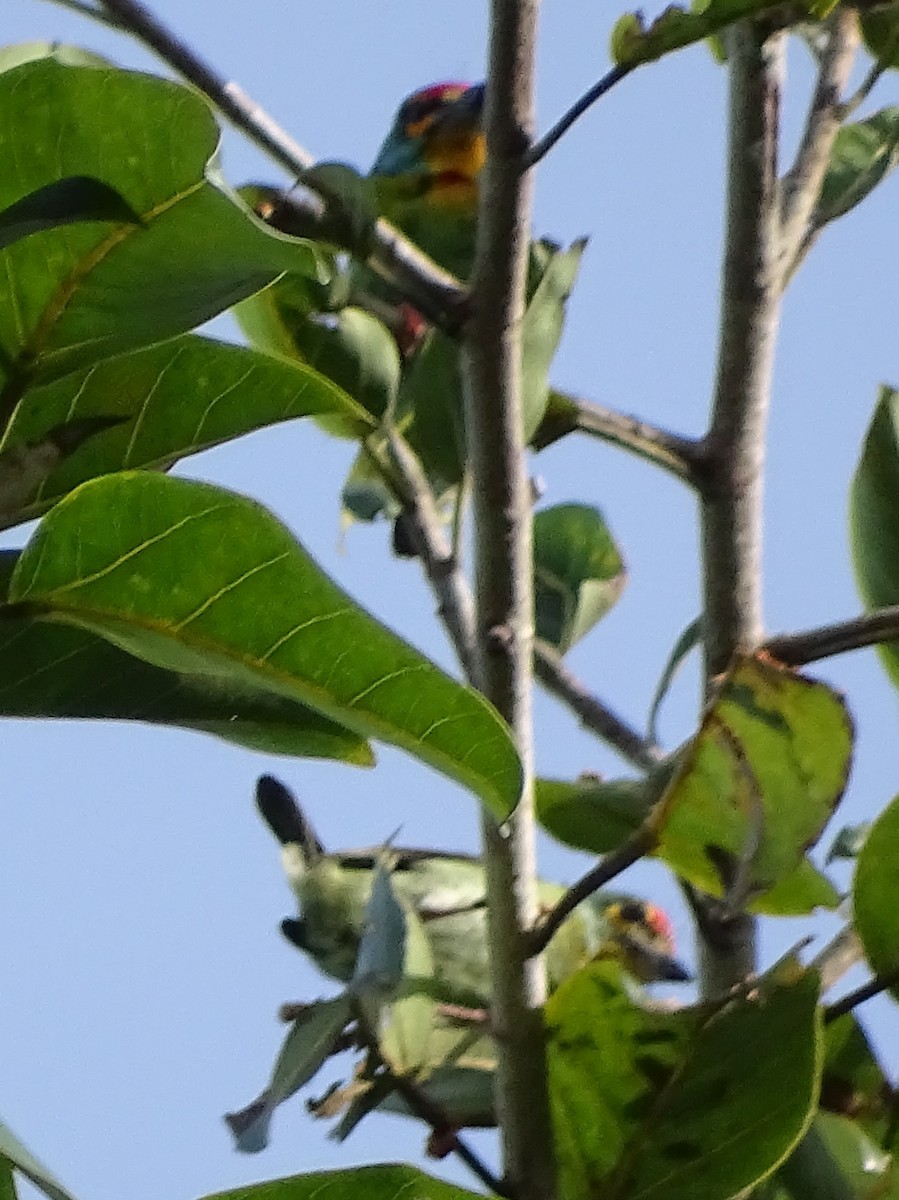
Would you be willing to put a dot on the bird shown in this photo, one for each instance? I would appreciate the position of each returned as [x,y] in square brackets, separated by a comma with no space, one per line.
[427,168]
[447,892]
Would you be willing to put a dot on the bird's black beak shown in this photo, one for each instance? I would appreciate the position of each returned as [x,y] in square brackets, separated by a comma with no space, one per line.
[463,113]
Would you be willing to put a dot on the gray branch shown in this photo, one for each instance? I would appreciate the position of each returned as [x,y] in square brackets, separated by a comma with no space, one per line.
[491,374]
[735,443]
[801,186]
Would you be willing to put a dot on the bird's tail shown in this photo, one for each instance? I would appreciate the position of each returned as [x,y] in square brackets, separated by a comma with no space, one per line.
[281,812]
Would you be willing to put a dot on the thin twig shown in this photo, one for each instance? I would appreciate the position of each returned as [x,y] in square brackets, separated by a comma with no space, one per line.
[680,456]
[556,677]
[880,983]
[636,847]
[435,292]
[422,1106]
[868,84]
[137,18]
[735,443]
[456,604]
[801,186]
[542,147]
[870,629]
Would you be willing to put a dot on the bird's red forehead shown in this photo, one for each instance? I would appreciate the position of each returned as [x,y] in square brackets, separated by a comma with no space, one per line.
[441,91]
[659,923]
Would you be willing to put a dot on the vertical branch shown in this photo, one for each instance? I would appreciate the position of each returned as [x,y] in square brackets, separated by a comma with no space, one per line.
[732,504]
[491,368]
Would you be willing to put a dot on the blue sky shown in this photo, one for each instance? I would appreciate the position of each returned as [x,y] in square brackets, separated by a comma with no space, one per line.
[142,893]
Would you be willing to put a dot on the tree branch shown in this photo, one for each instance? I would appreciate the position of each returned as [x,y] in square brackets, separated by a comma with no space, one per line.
[735,443]
[542,147]
[394,257]
[558,679]
[456,604]
[870,629]
[491,375]
[801,186]
[639,844]
[682,457]
[880,983]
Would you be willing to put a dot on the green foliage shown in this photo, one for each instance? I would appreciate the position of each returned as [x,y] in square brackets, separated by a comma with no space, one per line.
[197,580]
[578,572]
[384,1182]
[15,1156]
[876,880]
[874,517]
[197,608]
[688,1103]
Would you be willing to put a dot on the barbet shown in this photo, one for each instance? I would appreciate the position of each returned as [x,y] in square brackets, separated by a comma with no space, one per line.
[426,171]
[448,894]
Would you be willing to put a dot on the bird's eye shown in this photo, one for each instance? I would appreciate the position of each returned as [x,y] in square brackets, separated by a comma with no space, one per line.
[632,911]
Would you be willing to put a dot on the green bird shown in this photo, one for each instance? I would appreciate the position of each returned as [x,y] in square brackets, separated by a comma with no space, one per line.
[447,892]
[426,171]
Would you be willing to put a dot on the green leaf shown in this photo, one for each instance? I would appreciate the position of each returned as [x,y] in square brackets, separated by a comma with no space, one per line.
[686,1105]
[72,296]
[880,33]
[353,196]
[7,1183]
[758,783]
[635,43]
[688,640]
[54,670]
[21,1158]
[430,411]
[382,947]
[199,580]
[386,1181]
[836,1160]
[406,1035]
[309,1044]
[25,468]
[799,893]
[350,347]
[578,572]
[854,1083]
[848,842]
[874,893]
[166,402]
[862,155]
[64,202]
[596,814]
[874,518]
[70,56]
[542,329]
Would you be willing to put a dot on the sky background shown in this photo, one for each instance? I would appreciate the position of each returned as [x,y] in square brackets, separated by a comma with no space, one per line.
[141,892]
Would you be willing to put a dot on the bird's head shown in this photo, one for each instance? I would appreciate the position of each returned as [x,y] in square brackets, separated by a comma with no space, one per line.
[436,144]
[640,936]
